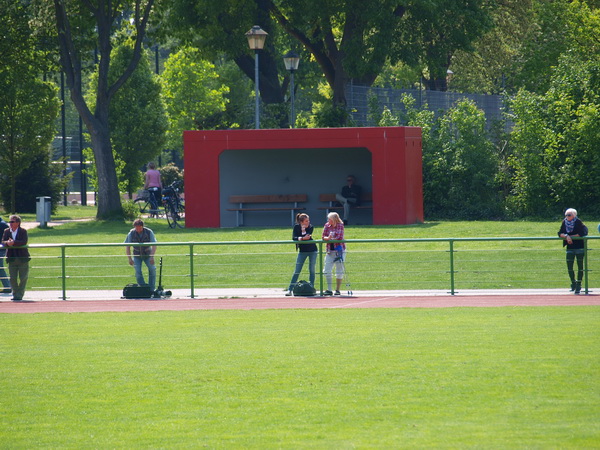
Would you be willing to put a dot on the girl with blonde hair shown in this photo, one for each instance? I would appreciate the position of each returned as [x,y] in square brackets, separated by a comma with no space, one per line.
[336,252]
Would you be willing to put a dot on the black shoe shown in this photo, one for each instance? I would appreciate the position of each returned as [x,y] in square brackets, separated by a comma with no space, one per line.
[6,291]
[14,299]
[578,287]
[573,285]
[327,293]
[337,293]
[288,293]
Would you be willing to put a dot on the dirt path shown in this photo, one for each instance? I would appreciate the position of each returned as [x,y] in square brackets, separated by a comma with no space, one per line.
[177,304]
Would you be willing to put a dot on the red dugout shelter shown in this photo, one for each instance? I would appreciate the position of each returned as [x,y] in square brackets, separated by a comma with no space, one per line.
[225,162]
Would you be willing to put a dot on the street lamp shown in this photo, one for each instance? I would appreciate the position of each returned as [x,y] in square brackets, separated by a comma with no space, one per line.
[291,61]
[256,40]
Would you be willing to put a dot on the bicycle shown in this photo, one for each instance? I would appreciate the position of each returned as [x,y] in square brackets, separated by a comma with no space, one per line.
[174,205]
[146,204]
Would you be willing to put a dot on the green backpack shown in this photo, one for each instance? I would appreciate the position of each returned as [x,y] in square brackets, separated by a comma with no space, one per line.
[303,289]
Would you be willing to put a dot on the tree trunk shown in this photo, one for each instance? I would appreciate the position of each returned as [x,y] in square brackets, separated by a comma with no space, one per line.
[268,84]
[109,199]
[104,12]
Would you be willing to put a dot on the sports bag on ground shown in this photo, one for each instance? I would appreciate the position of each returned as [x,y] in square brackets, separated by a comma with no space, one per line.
[137,291]
[303,289]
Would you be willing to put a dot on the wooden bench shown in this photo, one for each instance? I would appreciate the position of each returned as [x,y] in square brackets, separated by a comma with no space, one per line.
[366,202]
[243,200]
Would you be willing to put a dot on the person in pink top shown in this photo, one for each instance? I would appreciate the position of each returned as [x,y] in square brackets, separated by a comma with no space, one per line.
[336,252]
[154,185]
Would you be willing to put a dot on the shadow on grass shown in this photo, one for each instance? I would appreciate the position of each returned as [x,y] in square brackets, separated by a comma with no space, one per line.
[115,231]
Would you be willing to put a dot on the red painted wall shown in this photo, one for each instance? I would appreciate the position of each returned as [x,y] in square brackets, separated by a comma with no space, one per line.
[396,163]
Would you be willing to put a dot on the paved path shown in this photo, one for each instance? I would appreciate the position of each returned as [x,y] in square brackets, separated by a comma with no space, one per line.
[52,224]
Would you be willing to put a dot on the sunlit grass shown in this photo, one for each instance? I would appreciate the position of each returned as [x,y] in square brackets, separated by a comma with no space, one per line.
[403,378]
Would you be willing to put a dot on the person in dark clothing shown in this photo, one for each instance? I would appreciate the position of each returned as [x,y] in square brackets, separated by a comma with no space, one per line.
[3,276]
[14,239]
[303,231]
[350,196]
[572,227]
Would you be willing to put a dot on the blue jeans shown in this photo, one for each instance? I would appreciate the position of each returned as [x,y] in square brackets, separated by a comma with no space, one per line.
[139,277]
[312,263]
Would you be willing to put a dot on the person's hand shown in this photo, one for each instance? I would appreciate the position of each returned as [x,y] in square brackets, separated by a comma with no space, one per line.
[130,261]
[152,260]
[569,239]
[10,242]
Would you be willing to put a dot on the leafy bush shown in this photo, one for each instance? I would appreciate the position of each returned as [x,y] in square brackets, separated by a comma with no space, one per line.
[40,179]
[131,211]
[170,173]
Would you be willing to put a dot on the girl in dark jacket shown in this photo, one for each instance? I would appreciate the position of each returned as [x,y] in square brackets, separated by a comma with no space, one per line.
[571,227]
[303,231]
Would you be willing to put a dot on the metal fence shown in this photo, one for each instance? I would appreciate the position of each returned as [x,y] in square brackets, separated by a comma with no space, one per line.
[358,102]
[450,264]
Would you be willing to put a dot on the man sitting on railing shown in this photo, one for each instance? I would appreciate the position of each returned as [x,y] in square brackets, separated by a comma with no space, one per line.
[142,253]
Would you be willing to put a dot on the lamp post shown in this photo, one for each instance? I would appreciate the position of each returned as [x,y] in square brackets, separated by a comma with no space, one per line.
[256,40]
[291,61]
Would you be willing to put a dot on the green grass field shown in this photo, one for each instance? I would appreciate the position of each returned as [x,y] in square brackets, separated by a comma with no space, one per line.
[381,378]
[371,266]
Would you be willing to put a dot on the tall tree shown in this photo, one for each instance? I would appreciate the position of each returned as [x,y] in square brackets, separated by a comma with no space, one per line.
[218,27]
[28,105]
[103,18]
[137,117]
[349,39]
[440,29]
[192,92]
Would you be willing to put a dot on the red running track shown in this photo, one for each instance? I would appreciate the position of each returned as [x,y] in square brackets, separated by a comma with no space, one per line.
[174,304]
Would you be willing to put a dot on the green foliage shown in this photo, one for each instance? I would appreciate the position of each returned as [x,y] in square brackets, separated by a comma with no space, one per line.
[328,115]
[192,93]
[131,211]
[28,105]
[137,117]
[438,29]
[492,66]
[238,111]
[555,142]
[41,178]
[459,162]
[170,173]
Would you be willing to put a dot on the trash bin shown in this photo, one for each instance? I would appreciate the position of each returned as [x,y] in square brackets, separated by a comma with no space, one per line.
[42,210]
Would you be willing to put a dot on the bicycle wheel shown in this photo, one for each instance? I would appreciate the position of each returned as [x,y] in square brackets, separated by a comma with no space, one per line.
[181,214]
[143,204]
[171,213]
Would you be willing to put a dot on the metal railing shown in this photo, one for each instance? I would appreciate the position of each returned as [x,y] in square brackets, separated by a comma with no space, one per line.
[374,264]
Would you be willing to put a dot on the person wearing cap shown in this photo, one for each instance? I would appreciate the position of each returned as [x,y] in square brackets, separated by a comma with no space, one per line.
[572,227]
[14,239]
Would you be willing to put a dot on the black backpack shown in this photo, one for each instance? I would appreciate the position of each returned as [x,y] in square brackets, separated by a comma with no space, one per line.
[303,289]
